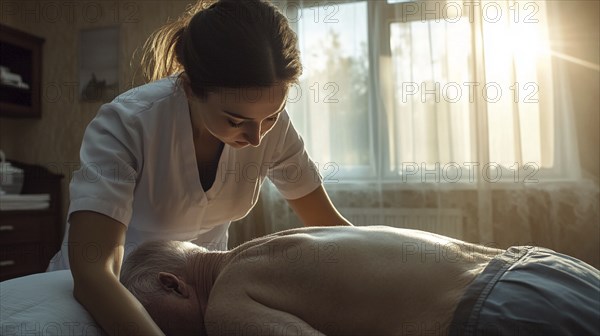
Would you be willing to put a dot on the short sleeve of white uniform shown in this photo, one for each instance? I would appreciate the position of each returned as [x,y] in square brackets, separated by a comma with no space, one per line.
[293,172]
[109,156]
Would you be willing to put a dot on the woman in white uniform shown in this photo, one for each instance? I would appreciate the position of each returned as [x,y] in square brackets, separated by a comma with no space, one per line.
[182,156]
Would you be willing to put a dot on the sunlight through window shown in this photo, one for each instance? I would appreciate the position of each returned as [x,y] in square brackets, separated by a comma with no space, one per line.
[332,107]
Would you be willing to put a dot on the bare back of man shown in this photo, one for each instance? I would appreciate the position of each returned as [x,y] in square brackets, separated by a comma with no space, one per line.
[343,281]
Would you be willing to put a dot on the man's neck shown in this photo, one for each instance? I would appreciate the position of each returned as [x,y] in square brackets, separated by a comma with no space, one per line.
[205,269]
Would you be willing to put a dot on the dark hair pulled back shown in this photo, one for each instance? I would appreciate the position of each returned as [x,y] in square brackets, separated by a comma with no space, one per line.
[225,44]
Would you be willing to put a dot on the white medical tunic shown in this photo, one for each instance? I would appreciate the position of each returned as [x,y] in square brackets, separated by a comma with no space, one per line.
[138,166]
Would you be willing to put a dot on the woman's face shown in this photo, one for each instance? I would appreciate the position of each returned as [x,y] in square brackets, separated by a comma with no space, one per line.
[239,117]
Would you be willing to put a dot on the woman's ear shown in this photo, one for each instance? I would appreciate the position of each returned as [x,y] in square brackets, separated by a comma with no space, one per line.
[173,284]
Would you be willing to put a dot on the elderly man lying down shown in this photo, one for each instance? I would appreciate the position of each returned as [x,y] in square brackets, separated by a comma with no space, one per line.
[363,281]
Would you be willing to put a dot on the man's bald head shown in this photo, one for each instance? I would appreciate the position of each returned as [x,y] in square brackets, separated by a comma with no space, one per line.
[158,275]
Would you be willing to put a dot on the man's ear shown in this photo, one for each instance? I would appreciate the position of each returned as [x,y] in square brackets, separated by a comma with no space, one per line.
[173,284]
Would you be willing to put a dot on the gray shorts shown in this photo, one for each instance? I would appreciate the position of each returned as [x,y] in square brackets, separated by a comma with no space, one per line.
[531,291]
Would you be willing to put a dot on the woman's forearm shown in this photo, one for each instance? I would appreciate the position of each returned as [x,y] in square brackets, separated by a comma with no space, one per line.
[96,279]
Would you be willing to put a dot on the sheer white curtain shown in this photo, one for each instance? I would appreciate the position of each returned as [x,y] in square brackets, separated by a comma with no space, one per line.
[439,104]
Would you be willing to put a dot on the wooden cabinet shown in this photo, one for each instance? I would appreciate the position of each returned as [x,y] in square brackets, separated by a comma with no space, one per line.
[20,56]
[29,238]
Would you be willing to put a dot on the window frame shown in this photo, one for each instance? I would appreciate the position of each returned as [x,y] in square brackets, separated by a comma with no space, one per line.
[376,172]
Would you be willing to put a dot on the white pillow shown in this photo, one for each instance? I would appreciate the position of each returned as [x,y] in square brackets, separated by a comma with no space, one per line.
[43,304]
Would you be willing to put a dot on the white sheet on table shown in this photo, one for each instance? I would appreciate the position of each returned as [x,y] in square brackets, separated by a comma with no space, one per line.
[43,304]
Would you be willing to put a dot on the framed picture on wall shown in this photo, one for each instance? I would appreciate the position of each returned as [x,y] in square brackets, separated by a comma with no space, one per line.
[99,64]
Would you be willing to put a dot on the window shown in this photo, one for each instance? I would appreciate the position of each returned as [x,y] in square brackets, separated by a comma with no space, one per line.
[331,106]
[395,89]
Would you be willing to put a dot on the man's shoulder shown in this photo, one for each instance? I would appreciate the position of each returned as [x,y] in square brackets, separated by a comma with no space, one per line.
[233,284]
[256,262]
